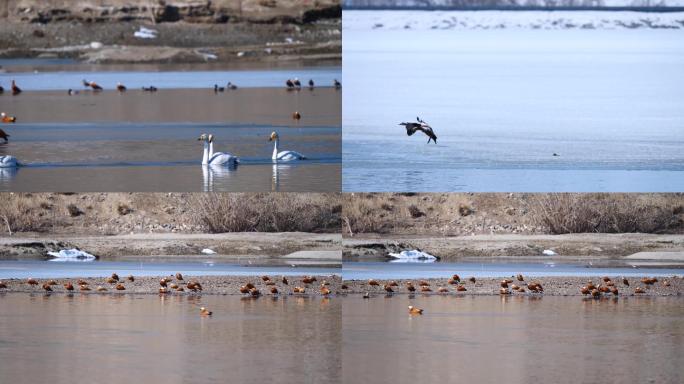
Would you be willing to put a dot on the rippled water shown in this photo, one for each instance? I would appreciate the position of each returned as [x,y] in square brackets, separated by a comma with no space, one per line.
[144,339]
[502,102]
[512,340]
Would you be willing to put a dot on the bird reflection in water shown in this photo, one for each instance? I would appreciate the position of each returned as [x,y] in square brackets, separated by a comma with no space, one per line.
[216,174]
[278,169]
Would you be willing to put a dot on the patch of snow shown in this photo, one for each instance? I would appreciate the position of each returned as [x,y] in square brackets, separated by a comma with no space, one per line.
[71,255]
[460,20]
[145,33]
[413,256]
[208,251]
[548,252]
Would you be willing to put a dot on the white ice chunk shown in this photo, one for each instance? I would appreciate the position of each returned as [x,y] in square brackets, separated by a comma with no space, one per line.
[71,255]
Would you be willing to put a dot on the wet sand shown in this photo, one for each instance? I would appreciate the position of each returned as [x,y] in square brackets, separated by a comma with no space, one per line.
[255,106]
[483,339]
[553,286]
[211,285]
[162,338]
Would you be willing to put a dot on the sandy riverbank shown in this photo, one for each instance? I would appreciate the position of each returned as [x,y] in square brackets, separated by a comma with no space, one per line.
[511,245]
[211,285]
[267,106]
[321,247]
[553,286]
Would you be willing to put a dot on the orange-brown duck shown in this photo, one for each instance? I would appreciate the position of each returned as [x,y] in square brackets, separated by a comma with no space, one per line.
[205,312]
[414,311]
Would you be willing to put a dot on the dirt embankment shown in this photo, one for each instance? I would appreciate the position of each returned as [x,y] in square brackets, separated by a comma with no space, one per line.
[459,214]
[236,32]
[511,245]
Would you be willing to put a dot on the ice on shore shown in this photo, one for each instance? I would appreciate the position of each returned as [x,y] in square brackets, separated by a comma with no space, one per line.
[458,20]
[208,251]
[548,252]
[413,257]
[71,255]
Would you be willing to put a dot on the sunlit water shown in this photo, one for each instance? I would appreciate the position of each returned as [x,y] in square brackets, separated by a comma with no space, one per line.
[502,102]
[145,339]
[512,340]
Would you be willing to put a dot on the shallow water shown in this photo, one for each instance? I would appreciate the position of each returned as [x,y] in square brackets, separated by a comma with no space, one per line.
[63,80]
[158,266]
[512,340]
[129,338]
[502,102]
[383,270]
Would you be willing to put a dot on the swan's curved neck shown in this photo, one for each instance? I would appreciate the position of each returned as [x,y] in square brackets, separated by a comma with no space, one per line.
[205,154]
[211,149]
[275,149]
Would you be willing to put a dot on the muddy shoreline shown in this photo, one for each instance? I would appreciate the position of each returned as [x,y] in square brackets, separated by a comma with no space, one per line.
[511,245]
[553,286]
[211,285]
[227,245]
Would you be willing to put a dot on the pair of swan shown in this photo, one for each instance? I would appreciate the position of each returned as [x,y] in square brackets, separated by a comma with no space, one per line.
[218,158]
[225,158]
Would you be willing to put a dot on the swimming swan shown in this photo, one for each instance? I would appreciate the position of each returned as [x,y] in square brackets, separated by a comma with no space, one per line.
[284,155]
[8,162]
[218,158]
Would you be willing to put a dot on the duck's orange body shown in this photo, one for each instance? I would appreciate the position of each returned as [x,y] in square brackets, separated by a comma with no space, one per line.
[414,311]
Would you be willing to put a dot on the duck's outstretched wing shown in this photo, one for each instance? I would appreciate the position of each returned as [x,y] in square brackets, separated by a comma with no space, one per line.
[411,128]
[428,131]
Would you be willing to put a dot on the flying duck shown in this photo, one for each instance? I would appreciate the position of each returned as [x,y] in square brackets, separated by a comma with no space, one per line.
[15,90]
[422,126]
[7,118]
[91,84]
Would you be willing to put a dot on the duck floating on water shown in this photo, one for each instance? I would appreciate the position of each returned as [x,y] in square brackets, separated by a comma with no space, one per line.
[422,126]
[231,86]
[151,88]
[337,84]
[414,311]
[4,136]
[5,118]
[283,155]
[120,87]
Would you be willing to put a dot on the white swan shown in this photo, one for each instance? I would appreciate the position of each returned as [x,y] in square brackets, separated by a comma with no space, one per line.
[8,162]
[218,158]
[284,155]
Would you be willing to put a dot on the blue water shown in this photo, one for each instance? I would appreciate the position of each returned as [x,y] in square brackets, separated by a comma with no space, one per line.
[609,103]
[29,81]
[50,269]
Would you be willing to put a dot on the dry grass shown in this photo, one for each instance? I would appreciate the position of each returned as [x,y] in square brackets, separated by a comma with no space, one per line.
[449,214]
[25,213]
[266,212]
[607,213]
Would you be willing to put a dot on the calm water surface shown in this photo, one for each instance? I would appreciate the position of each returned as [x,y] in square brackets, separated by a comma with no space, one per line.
[144,339]
[502,102]
[512,340]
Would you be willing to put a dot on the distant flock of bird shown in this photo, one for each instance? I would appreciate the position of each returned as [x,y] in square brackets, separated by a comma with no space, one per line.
[178,284]
[508,287]
[209,157]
